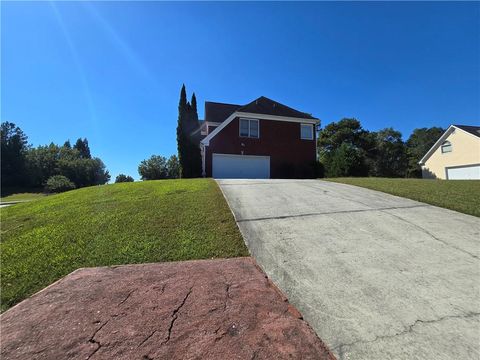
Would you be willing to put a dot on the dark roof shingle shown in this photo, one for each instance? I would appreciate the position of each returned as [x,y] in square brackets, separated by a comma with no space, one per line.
[264,105]
[474,130]
[219,112]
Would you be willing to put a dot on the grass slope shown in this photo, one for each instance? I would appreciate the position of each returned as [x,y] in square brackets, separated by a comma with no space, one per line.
[458,195]
[20,194]
[22,197]
[125,223]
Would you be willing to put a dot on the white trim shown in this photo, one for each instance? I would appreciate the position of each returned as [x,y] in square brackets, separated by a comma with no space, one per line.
[248,136]
[442,138]
[311,126]
[212,123]
[240,155]
[206,140]
[202,153]
[277,118]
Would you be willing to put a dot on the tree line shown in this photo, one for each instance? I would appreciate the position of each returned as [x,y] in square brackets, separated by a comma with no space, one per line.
[345,148]
[51,166]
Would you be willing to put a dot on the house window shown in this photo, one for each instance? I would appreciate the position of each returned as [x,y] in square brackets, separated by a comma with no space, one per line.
[446,147]
[249,128]
[306,131]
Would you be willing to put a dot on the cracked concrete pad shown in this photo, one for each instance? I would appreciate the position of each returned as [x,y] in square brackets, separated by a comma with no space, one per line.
[211,309]
[377,276]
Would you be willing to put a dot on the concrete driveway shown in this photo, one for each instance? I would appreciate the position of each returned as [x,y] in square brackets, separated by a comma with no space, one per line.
[376,276]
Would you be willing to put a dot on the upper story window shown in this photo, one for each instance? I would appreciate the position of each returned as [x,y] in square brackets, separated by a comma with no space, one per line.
[306,131]
[446,147]
[249,128]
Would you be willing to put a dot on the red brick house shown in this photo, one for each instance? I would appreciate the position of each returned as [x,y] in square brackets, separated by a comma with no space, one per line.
[263,139]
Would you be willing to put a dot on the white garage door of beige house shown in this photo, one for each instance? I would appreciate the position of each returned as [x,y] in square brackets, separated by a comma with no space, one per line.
[469,172]
[228,166]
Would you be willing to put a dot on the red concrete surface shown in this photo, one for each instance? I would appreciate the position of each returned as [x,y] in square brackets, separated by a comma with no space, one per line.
[213,309]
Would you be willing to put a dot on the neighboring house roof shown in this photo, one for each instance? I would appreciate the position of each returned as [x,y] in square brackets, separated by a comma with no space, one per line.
[474,130]
[264,105]
[471,130]
[218,112]
[261,108]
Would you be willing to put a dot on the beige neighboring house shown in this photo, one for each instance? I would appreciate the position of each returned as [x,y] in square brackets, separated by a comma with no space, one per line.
[455,156]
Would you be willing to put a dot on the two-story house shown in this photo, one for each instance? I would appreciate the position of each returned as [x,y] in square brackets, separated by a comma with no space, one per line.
[262,139]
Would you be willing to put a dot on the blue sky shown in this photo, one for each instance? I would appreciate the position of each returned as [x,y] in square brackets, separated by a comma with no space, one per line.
[112,71]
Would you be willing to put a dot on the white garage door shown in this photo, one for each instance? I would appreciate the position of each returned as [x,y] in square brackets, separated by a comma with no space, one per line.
[226,166]
[464,173]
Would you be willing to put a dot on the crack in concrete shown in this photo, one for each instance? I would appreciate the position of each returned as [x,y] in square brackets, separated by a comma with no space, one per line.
[92,339]
[227,296]
[126,298]
[330,213]
[146,339]
[218,338]
[430,234]
[94,351]
[338,196]
[410,328]
[175,316]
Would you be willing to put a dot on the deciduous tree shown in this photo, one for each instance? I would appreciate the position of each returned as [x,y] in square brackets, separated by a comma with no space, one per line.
[389,156]
[418,144]
[123,178]
[343,148]
[173,167]
[153,168]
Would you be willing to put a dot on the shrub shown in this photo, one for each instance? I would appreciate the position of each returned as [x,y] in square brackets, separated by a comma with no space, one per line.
[123,178]
[58,183]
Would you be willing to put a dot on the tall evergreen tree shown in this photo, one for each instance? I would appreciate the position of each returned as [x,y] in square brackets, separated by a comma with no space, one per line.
[188,137]
[195,136]
[193,103]
[181,140]
[83,148]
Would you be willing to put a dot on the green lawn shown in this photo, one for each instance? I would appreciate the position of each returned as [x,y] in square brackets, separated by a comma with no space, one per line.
[124,223]
[458,195]
[21,194]
[22,197]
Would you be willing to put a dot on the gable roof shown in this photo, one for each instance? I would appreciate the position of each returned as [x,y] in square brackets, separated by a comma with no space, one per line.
[471,130]
[261,108]
[474,130]
[219,112]
[266,106]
